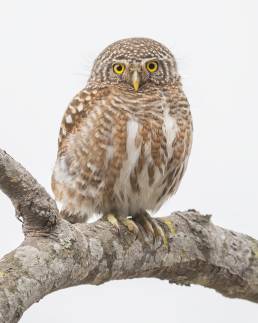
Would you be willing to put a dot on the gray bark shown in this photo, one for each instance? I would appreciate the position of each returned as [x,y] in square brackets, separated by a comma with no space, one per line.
[56,254]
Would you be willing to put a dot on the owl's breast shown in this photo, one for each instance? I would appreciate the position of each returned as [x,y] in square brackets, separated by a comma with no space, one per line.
[147,153]
[127,155]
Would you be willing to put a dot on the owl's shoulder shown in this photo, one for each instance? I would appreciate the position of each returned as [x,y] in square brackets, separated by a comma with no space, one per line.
[78,110]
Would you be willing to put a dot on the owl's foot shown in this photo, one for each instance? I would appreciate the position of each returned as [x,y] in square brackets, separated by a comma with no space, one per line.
[116,222]
[131,225]
[152,227]
[160,233]
[111,218]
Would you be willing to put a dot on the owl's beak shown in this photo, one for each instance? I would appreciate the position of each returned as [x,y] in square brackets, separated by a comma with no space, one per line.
[136,80]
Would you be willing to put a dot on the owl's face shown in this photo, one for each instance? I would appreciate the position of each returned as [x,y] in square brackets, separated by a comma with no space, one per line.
[134,63]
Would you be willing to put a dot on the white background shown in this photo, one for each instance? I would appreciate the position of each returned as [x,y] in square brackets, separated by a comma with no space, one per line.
[46,51]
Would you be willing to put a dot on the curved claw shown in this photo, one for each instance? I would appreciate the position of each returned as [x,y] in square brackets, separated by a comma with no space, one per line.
[131,226]
[113,221]
[152,227]
[160,232]
[147,224]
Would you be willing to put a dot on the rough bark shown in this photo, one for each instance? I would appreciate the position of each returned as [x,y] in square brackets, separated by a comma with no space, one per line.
[56,254]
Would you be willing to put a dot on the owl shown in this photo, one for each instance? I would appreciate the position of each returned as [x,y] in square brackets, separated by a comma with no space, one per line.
[125,138]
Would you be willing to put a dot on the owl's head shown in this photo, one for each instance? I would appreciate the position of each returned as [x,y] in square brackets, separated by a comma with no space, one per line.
[134,63]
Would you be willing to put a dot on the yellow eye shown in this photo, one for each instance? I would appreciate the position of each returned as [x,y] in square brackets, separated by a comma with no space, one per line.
[119,68]
[152,66]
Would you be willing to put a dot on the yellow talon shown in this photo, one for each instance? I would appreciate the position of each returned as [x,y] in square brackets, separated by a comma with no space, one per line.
[131,225]
[147,223]
[160,232]
[152,227]
[113,220]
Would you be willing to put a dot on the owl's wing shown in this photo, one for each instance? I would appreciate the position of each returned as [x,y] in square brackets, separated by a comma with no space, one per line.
[81,113]
[77,111]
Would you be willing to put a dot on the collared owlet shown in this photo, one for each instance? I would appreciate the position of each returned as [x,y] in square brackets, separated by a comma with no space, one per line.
[125,138]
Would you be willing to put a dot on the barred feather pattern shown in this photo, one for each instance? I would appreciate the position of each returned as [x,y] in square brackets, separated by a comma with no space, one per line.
[121,152]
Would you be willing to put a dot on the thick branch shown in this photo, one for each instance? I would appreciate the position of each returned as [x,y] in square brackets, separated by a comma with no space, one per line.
[199,253]
[32,203]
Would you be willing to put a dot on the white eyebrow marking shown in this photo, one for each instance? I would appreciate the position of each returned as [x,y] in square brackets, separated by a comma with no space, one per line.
[145,60]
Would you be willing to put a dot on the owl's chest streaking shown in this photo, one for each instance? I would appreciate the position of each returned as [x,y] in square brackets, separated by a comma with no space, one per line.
[128,155]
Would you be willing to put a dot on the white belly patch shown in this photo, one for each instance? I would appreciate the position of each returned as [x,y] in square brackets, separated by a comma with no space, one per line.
[146,197]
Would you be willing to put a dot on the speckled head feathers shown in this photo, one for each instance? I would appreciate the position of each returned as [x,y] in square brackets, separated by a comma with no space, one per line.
[134,49]
[133,53]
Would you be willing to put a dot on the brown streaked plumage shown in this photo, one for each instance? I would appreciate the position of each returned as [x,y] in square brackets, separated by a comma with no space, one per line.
[125,138]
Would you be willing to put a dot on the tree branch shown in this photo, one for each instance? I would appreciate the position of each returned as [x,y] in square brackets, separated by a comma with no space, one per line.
[65,255]
[32,203]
